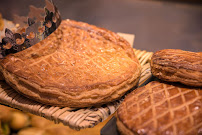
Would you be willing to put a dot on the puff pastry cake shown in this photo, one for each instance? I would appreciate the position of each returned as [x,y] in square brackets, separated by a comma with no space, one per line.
[176,65]
[78,65]
[161,109]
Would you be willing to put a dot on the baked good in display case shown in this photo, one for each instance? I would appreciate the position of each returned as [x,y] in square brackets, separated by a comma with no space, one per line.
[78,65]
[161,109]
[176,65]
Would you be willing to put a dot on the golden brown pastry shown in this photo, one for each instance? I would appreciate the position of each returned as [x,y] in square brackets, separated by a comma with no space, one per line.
[78,65]
[176,65]
[161,109]
[1,23]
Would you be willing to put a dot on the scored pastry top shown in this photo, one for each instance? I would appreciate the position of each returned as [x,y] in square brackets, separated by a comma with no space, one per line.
[76,57]
[160,108]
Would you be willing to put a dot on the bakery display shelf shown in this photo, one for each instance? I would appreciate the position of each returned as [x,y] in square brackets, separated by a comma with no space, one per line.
[76,118]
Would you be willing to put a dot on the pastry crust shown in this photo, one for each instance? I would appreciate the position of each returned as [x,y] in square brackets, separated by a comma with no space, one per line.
[78,65]
[123,130]
[160,108]
[176,65]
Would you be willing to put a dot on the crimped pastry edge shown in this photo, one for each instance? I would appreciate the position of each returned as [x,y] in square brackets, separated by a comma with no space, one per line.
[124,45]
[116,92]
[157,131]
[131,77]
[122,128]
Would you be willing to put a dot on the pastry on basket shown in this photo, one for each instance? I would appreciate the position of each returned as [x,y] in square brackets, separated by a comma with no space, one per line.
[161,109]
[176,65]
[78,65]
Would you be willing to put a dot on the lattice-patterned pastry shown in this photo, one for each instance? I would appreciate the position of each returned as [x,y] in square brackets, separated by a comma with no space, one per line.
[176,65]
[78,65]
[161,109]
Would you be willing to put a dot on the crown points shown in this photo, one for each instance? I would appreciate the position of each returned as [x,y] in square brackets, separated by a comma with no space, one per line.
[32,29]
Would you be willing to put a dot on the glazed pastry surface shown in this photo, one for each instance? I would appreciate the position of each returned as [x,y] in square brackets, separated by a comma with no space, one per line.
[176,65]
[78,65]
[161,109]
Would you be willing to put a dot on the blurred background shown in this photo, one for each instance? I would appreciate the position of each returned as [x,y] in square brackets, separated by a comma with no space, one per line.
[156,24]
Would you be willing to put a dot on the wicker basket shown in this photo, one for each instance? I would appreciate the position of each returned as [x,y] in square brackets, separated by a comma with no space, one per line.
[73,117]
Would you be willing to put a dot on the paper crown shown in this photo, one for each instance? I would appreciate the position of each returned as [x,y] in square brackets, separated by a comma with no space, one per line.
[39,24]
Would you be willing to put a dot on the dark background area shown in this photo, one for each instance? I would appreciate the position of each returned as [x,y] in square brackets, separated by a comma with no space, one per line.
[156,24]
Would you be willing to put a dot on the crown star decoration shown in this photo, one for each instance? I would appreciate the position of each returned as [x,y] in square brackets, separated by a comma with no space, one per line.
[39,24]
